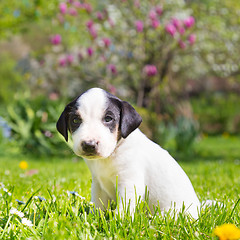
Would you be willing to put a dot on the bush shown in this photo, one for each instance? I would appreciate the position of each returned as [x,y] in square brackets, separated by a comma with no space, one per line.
[218,113]
[125,47]
[33,124]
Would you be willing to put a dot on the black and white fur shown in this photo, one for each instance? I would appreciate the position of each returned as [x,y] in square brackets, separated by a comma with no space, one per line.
[105,133]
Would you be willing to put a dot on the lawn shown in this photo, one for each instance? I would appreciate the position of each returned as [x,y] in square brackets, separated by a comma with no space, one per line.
[54,194]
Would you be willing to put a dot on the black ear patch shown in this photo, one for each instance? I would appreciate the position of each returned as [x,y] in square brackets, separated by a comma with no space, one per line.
[62,123]
[130,119]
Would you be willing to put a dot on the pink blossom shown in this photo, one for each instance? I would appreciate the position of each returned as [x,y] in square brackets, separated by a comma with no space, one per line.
[155,23]
[77,4]
[87,7]
[72,11]
[70,1]
[159,10]
[192,39]
[89,24]
[111,22]
[170,29]
[60,18]
[139,25]
[181,44]
[152,14]
[99,16]
[62,62]
[137,3]
[93,32]
[112,89]
[90,51]
[56,39]
[189,22]
[63,7]
[107,42]
[69,59]
[150,70]
[181,30]
[112,68]
[176,23]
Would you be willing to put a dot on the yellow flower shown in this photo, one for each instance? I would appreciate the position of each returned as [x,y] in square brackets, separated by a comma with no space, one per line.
[226,135]
[23,165]
[227,232]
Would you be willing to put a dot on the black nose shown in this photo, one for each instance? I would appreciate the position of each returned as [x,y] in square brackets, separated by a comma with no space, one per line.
[89,147]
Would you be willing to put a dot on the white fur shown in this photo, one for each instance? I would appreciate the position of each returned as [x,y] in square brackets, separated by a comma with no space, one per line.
[136,161]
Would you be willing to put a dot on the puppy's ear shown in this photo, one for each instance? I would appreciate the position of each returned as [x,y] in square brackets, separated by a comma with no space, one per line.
[62,124]
[130,119]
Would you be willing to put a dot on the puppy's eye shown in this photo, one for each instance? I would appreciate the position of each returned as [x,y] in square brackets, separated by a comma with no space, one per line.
[108,118]
[76,120]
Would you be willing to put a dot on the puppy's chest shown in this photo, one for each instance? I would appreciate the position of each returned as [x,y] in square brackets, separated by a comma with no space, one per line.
[105,172]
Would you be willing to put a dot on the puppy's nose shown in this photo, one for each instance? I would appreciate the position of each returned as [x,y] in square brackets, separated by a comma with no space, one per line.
[89,146]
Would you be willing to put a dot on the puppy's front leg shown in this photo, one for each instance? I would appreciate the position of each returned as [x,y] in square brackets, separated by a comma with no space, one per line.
[98,196]
[128,194]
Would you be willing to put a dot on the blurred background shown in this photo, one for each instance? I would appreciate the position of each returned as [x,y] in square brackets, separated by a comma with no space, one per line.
[177,62]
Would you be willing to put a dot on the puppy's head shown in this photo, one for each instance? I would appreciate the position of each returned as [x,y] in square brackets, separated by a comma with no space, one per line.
[97,120]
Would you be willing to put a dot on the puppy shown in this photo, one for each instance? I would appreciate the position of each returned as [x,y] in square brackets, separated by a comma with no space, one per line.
[105,133]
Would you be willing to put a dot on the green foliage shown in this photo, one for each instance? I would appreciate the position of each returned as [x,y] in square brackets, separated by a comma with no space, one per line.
[186,132]
[218,25]
[10,78]
[17,14]
[218,113]
[33,123]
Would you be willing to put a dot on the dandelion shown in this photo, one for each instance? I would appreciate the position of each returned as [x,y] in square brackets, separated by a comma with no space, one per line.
[23,165]
[27,222]
[14,211]
[227,232]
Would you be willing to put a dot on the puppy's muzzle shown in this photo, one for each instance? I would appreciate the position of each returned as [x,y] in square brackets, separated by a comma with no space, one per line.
[89,147]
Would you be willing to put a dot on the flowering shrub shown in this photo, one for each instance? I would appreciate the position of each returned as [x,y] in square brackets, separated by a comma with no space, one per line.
[131,44]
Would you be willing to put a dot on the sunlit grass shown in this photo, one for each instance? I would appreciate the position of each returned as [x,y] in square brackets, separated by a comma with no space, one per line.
[54,197]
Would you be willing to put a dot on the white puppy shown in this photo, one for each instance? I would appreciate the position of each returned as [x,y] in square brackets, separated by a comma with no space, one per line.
[105,133]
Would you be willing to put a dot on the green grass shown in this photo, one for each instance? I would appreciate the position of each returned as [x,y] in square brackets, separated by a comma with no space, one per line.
[214,172]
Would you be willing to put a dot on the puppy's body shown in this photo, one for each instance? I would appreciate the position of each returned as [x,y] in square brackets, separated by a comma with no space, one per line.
[108,139]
